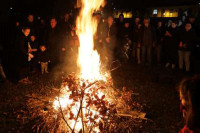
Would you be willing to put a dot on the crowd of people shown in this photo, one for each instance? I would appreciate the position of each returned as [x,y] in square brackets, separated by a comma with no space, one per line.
[45,44]
[169,43]
[56,42]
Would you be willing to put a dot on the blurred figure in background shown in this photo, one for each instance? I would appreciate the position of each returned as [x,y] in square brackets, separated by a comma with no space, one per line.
[147,41]
[171,45]
[187,40]
[52,41]
[160,33]
[31,24]
[98,37]
[137,44]
[66,24]
[42,29]
[120,25]
[24,55]
[126,42]
[136,22]
[110,43]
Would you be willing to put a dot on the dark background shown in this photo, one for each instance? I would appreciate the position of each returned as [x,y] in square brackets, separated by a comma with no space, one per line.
[54,7]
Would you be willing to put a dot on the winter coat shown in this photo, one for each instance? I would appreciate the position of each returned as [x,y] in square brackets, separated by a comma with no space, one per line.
[148,36]
[187,38]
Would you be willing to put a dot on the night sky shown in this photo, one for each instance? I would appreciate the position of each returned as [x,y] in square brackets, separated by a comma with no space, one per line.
[45,7]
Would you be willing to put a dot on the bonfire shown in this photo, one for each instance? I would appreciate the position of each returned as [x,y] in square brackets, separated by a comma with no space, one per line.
[86,102]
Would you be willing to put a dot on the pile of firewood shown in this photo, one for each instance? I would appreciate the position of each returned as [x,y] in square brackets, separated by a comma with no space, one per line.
[112,111]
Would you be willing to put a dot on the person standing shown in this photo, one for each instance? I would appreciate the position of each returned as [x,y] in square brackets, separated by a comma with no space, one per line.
[137,46]
[126,42]
[136,22]
[147,41]
[43,59]
[160,33]
[24,55]
[110,39]
[171,45]
[98,37]
[33,49]
[52,41]
[187,40]
[31,24]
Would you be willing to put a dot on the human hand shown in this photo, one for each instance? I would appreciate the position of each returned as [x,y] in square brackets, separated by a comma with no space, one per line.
[138,45]
[63,49]
[168,33]
[29,50]
[30,55]
[181,44]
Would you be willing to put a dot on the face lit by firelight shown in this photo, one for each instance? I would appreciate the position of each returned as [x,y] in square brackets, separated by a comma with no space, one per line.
[53,23]
[110,21]
[26,32]
[43,48]
[146,22]
[173,25]
[188,27]
[126,25]
[30,18]
[159,24]
[137,20]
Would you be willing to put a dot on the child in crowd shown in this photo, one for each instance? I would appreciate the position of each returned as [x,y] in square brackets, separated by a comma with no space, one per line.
[43,59]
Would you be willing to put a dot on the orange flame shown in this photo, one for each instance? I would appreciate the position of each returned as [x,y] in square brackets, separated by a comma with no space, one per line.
[88,59]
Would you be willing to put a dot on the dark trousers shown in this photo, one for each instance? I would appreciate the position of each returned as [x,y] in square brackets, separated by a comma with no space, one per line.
[147,54]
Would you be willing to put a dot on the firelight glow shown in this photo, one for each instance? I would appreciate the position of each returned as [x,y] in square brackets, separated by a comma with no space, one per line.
[88,61]
[88,58]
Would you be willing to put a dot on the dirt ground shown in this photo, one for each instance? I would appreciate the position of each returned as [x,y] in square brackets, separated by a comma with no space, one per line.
[154,87]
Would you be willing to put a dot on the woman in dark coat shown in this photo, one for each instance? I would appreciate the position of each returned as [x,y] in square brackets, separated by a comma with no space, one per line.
[23,55]
[171,45]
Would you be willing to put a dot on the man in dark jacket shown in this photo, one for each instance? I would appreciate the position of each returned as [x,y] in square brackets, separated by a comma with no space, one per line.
[137,45]
[98,37]
[110,39]
[31,24]
[147,41]
[52,38]
[187,39]
[66,25]
[160,33]
[126,41]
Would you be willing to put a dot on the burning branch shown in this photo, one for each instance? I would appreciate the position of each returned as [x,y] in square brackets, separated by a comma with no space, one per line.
[64,116]
[85,107]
